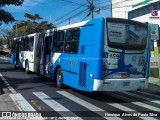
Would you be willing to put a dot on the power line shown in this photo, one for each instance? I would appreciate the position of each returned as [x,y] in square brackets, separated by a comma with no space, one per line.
[73,3]
[79,13]
[73,10]
[66,14]
[91,8]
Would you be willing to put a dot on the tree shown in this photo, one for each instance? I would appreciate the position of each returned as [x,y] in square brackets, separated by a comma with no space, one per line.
[32,25]
[8,35]
[32,17]
[6,17]
[25,27]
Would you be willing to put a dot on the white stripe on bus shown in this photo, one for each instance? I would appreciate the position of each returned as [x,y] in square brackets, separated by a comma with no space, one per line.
[55,57]
[55,105]
[11,89]
[86,104]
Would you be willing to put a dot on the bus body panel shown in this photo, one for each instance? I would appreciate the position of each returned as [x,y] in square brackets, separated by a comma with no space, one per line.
[77,68]
[97,66]
[130,84]
[12,57]
[27,54]
[124,69]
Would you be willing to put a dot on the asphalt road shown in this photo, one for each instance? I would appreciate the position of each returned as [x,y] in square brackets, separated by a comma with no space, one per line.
[32,92]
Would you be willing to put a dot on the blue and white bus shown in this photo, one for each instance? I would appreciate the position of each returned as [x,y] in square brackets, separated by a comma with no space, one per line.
[102,54]
[25,51]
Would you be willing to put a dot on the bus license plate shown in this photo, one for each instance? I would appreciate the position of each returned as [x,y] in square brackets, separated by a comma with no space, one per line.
[127,83]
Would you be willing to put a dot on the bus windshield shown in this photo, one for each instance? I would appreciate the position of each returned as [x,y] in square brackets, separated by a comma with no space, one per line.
[126,36]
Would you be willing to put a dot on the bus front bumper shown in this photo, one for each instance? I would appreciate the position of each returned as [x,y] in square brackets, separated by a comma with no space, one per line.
[130,84]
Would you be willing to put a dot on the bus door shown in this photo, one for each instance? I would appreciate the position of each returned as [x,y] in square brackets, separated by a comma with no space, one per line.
[17,53]
[46,54]
[37,53]
[41,40]
[21,53]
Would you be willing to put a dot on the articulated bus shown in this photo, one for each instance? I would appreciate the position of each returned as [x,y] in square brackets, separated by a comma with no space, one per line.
[23,54]
[102,54]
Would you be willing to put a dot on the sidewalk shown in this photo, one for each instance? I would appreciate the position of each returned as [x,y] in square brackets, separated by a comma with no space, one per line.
[6,103]
[154,84]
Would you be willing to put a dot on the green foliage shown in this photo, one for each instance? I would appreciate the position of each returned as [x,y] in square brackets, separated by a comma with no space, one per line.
[10,2]
[32,17]
[25,27]
[6,17]
[8,35]
[32,25]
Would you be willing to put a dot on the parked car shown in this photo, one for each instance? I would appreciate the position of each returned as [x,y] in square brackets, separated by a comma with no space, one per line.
[3,53]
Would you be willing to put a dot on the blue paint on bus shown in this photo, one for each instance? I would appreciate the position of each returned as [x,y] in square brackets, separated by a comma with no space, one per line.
[105,53]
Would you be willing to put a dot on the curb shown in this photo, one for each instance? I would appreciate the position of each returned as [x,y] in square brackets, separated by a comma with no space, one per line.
[153,87]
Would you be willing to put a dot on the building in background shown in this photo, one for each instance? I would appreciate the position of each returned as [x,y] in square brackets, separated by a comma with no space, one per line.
[4,47]
[142,11]
[139,10]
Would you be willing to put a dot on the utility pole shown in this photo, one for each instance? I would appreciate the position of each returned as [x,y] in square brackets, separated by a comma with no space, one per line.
[111,7]
[16,30]
[91,8]
[17,22]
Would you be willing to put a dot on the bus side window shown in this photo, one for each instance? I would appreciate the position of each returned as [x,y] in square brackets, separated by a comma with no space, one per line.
[26,42]
[72,40]
[48,41]
[58,41]
[31,44]
[22,44]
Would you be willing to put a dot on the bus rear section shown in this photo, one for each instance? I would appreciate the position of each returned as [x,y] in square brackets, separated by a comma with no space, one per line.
[125,56]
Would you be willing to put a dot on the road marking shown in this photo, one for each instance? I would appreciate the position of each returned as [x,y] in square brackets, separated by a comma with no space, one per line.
[18,99]
[129,110]
[86,104]
[136,102]
[55,105]
[142,97]
[22,102]
[23,105]
[149,94]
[11,89]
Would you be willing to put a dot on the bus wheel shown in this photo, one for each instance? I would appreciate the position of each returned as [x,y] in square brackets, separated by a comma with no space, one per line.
[59,78]
[27,68]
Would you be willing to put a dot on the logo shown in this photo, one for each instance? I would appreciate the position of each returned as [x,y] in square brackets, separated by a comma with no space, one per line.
[154,12]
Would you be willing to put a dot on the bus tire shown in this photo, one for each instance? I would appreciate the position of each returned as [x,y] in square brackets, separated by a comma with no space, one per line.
[59,78]
[27,67]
